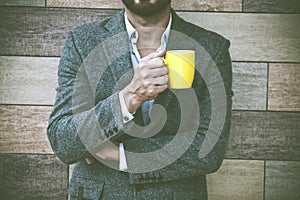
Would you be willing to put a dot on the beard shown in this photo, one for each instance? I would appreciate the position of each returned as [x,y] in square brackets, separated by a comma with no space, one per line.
[145,8]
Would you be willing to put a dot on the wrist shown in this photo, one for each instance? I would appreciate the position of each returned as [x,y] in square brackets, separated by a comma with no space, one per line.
[131,99]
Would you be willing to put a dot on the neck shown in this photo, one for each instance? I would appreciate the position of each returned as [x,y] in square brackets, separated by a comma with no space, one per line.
[150,29]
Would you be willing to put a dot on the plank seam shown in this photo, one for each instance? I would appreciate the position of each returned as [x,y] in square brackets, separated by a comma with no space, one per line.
[267,100]
[264,184]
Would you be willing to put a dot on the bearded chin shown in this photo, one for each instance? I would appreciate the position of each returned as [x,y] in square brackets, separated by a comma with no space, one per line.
[145,8]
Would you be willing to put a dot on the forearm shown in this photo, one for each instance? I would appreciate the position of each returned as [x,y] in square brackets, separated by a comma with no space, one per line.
[79,123]
[72,136]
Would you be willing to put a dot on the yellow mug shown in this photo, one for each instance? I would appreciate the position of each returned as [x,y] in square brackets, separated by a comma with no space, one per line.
[181,65]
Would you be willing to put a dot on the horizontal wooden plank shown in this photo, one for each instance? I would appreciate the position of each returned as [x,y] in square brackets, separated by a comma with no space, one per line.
[254,135]
[41,31]
[23,129]
[284,87]
[283,6]
[103,4]
[28,80]
[255,37]
[250,86]
[32,80]
[207,5]
[236,180]
[192,5]
[32,177]
[40,3]
[282,180]
[264,135]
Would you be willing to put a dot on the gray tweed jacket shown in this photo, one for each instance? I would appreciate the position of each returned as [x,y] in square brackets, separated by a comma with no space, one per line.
[95,65]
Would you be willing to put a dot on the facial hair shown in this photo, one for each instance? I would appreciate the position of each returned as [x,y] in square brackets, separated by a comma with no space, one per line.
[144,8]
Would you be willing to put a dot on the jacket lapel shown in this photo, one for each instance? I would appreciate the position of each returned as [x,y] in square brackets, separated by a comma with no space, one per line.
[117,50]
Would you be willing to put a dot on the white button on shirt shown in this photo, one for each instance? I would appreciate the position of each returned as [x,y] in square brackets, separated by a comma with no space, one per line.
[135,58]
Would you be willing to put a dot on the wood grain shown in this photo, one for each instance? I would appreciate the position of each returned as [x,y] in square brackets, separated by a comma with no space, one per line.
[103,4]
[282,6]
[282,180]
[40,3]
[250,86]
[254,37]
[32,81]
[23,129]
[236,180]
[28,80]
[208,5]
[41,31]
[32,177]
[254,135]
[284,87]
[192,5]
[264,135]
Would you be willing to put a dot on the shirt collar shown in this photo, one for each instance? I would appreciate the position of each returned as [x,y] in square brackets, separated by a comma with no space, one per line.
[132,31]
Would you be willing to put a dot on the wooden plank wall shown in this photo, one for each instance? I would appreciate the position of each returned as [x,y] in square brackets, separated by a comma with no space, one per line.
[263,157]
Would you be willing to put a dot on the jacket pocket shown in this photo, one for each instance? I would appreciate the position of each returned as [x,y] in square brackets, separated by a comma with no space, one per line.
[84,188]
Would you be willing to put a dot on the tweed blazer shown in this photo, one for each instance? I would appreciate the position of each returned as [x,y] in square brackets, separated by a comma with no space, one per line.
[95,65]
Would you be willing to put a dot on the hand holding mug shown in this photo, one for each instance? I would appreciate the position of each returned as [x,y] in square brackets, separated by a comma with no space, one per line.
[150,79]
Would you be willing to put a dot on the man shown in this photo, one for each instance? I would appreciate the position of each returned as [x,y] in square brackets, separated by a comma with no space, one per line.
[111,76]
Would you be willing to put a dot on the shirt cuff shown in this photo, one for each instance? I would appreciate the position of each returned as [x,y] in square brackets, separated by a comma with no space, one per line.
[122,161]
[127,116]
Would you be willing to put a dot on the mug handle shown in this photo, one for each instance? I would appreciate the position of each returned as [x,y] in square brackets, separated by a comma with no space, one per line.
[165,61]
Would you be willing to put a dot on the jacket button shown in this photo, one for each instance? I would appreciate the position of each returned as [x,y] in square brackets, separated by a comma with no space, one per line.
[115,128]
[160,177]
[140,178]
[148,178]
[153,178]
[145,177]
[110,133]
[105,133]
[139,188]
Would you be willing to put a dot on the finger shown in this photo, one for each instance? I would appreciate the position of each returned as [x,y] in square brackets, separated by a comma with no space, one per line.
[149,65]
[157,63]
[157,72]
[153,91]
[162,80]
[152,55]
[161,88]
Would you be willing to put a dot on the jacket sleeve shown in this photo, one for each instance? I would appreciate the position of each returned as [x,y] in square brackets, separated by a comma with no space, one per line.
[189,163]
[76,118]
